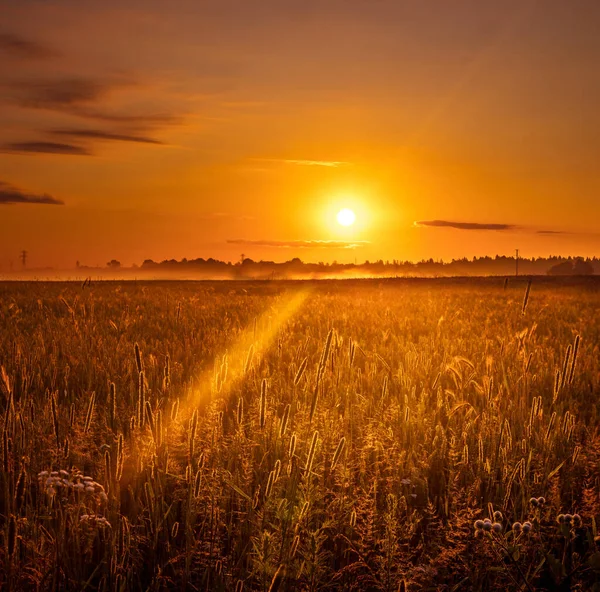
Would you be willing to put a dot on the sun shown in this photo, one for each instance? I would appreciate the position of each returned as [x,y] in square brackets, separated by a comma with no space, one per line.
[346,217]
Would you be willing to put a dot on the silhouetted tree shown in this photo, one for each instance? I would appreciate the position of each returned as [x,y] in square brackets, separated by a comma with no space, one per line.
[572,267]
[582,267]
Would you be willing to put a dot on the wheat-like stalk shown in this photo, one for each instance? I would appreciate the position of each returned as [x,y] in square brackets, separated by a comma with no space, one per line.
[338,453]
[263,404]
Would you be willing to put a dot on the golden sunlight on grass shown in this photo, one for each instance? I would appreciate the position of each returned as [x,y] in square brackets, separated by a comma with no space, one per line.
[252,342]
[269,436]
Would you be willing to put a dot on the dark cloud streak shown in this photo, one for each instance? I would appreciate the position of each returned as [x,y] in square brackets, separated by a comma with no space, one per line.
[63,94]
[80,97]
[486,226]
[46,148]
[465,225]
[136,120]
[10,195]
[19,47]
[102,135]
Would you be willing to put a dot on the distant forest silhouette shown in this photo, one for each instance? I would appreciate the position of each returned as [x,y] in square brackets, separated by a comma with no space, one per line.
[248,268]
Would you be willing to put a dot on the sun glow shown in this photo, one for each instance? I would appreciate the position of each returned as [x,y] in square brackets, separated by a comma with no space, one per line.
[346,217]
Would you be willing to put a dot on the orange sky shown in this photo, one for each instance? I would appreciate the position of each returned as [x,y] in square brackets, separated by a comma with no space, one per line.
[166,129]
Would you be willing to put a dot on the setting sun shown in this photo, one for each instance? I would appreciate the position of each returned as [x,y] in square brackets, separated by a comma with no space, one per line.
[346,217]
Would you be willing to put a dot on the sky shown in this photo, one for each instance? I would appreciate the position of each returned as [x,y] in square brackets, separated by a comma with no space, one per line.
[147,129]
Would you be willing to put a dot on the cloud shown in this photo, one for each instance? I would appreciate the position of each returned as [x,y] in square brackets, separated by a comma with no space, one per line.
[465,225]
[303,162]
[102,135]
[23,48]
[80,97]
[485,226]
[159,119]
[60,94]
[46,148]
[300,244]
[322,163]
[10,195]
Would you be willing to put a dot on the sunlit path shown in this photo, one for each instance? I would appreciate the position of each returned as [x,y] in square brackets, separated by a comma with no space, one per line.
[252,343]
[231,366]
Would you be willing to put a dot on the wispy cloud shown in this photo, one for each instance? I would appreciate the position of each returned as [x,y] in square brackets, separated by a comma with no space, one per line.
[19,47]
[93,134]
[306,162]
[300,244]
[465,225]
[137,119]
[486,226]
[321,163]
[59,94]
[81,97]
[45,148]
[10,195]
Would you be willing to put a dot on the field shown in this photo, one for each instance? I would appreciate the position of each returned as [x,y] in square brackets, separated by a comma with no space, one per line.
[271,436]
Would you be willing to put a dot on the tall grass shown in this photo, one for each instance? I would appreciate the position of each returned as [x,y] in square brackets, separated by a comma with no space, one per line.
[182,436]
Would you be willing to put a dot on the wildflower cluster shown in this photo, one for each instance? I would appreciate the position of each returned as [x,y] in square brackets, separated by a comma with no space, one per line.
[482,526]
[71,481]
[486,525]
[524,528]
[94,520]
[537,502]
[571,520]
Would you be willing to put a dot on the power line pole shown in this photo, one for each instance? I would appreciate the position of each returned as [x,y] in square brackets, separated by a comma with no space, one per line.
[517,263]
[24,258]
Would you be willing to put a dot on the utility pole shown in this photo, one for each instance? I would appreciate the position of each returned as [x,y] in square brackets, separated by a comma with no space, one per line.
[517,263]
[24,258]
